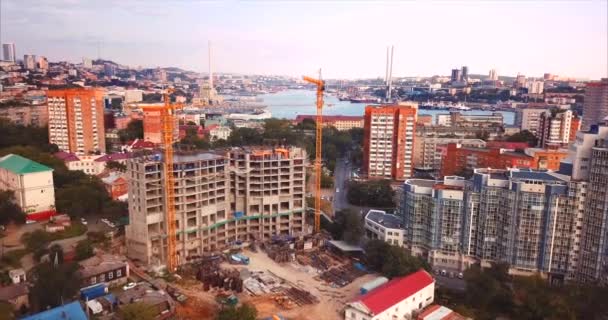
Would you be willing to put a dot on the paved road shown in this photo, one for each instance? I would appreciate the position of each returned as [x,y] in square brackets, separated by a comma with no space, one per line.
[341,177]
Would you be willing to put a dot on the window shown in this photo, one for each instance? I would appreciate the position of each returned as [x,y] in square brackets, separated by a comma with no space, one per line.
[93,280]
[118,273]
[110,275]
[102,277]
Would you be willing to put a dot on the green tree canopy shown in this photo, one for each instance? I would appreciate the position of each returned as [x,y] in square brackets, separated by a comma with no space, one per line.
[243,312]
[134,130]
[136,311]
[523,136]
[392,261]
[53,284]
[10,211]
[372,193]
[84,249]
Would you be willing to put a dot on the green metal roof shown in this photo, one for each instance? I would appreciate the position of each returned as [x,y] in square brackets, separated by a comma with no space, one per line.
[21,165]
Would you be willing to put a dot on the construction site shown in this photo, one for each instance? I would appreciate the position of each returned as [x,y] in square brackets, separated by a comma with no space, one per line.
[294,278]
[229,226]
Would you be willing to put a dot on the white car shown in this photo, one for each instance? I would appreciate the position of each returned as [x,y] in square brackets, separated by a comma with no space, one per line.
[83,221]
[129,285]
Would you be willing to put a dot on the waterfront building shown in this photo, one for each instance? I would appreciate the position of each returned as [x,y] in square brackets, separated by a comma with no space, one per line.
[595,107]
[470,120]
[76,120]
[389,133]
[235,195]
[341,123]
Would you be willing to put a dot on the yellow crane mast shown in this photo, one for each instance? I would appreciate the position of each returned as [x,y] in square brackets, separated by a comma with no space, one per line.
[319,120]
[168,119]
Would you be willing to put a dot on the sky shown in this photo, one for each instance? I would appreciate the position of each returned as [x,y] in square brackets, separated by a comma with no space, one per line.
[347,39]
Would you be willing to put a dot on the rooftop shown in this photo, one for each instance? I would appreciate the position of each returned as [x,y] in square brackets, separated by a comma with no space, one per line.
[20,165]
[99,264]
[70,311]
[421,182]
[13,291]
[395,291]
[437,312]
[536,175]
[384,219]
[66,156]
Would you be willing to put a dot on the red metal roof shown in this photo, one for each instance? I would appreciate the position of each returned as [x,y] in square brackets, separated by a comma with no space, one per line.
[395,291]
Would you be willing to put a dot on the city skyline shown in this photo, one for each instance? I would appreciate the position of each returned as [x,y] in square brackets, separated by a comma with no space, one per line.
[346,40]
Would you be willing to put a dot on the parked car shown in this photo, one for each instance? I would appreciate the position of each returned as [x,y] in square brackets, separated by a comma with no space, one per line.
[460,275]
[129,285]
[443,272]
[83,221]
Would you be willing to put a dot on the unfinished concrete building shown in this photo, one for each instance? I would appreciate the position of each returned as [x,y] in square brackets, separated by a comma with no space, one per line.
[221,198]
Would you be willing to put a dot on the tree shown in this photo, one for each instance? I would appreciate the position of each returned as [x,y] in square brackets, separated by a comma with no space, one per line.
[134,130]
[136,311]
[392,261]
[373,193]
[53,284]
[84,249]
[243,312]
[523,136]
[244,137]
[351,225]
[115,165]
[35,240]
[11,212]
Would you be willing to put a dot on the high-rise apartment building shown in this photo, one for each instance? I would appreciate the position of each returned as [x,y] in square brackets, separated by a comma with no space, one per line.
[535,87]
[388,144]
[493,75]
[433,214]
[465,73]
[42,63]
[521,217]
[87,63]
[595,107]
[29,62]
[456,75]
[221,198]
[557,128]
[76,120]
[588,166]
[8,52]
[593,259]
[520,81]
[529,118]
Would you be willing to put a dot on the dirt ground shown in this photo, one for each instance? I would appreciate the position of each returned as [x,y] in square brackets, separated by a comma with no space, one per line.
[332,300]
[330,307]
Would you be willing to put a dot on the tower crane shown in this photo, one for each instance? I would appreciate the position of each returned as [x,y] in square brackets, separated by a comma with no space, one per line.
[168,120]
[319,130]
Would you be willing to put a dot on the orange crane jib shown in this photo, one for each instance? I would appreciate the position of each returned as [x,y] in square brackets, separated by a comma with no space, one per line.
[319,133]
